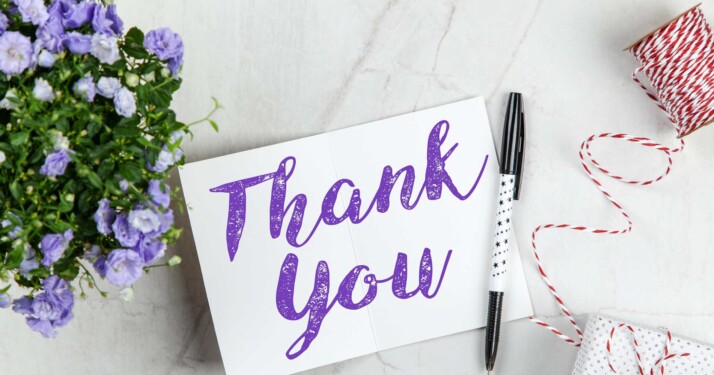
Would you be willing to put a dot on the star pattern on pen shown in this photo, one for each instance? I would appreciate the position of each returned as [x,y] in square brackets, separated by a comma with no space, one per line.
[503,224]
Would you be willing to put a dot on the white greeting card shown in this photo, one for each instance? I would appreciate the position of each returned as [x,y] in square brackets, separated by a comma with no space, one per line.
[346,243]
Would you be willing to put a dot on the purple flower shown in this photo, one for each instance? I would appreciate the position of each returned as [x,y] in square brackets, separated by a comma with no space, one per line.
[77,42]
[100,265]
[145,220]
[108,86]
[45,59]
[56,163]
[42,326]
[52,31]
[123,267]
[15,52]
[22,305]
[164,43]
[48,310]
[93,253]
[50,39]
[54,245]
[30,262]
[175,64]
[4,22]
[124,102]
[43,91]
[58,291]
[166,159]
[166,220]
[32,11]
[177,137]
[45,309]
[150,249]
[105,48]
[126,234]
[123,185]
[106,20]
[15,230]
[5,301]
[159,195]
[85,88]
[104,217]
[75,15]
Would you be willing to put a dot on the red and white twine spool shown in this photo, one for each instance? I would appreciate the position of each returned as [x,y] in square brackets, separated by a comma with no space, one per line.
[678,60]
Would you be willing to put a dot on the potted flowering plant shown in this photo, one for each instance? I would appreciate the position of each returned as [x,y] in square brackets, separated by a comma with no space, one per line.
[87,139]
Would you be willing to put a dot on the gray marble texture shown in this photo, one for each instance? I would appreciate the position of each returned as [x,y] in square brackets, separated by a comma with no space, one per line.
[288,69]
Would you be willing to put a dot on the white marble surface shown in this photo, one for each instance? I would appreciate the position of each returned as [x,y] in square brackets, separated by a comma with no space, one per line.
[285,70]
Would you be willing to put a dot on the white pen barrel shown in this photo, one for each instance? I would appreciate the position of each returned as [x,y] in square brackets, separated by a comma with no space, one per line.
[502,232]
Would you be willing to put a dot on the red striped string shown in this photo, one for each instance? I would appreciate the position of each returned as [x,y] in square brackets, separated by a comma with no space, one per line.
[677,60]
[666,355]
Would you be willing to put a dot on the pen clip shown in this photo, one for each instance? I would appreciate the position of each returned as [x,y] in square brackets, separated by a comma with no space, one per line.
[520,152]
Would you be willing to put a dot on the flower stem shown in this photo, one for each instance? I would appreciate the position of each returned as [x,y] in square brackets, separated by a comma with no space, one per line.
[216,107]
[89,274]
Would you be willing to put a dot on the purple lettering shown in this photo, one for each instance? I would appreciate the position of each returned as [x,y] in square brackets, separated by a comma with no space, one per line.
[317,305]
[399,278]
[435,178]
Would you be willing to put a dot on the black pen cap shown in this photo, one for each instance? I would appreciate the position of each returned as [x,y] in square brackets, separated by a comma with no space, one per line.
[509,145]
[513,140]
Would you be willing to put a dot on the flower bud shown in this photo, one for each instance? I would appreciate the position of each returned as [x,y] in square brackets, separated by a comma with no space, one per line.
[127,294]
[165,72]
[132,80]
[149,77]
[45,59]
[175,260]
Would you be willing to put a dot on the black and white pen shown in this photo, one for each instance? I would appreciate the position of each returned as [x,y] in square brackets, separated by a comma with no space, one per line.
[512,151]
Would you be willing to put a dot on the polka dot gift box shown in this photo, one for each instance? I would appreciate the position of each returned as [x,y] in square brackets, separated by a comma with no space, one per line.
[612,346]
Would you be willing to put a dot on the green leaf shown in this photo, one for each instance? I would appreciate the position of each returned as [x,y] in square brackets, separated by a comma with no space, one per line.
[15,190]
[15,257]
[135,35]
[148,68]
[66,268]
[130,171]
[95,180]
[40,272]
[216,104]
[112,186]
[93,128]
[134,44]
[135,51]
[18,138]
[213,125]
[147,143]
[58,226]
[64,206]
[128,130]
[23,281]
[36,156]
[106,169]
